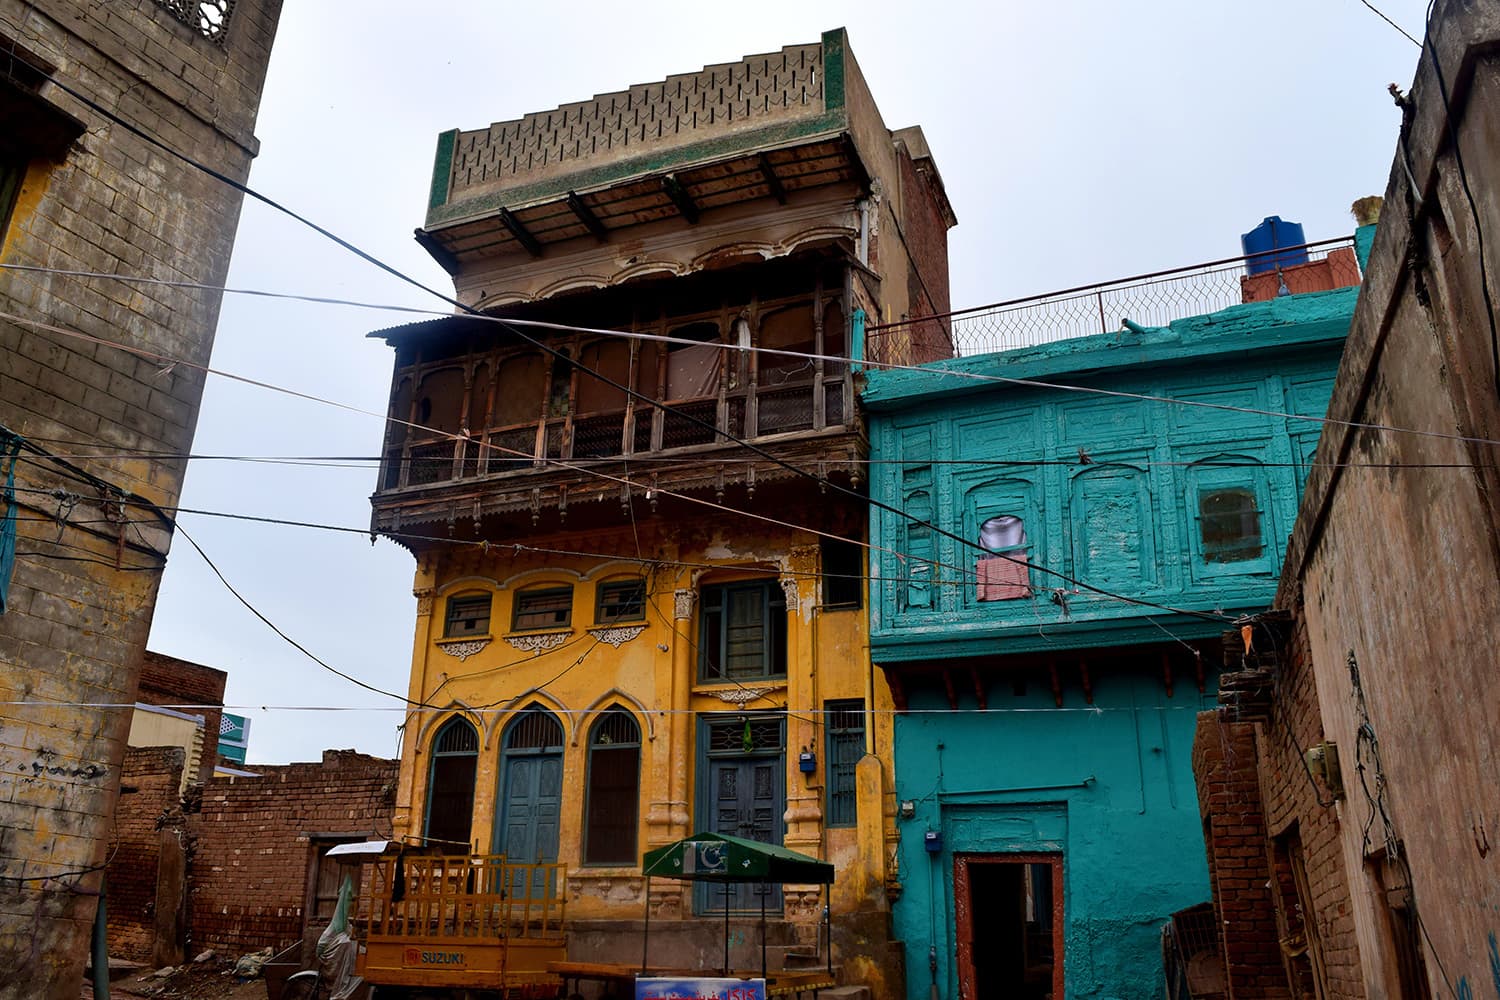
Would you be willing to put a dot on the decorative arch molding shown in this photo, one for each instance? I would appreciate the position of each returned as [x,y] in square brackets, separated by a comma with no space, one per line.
[572,283]
[612,699]
[776,567]
[648,269]
[623,567]
[541,699]
[524,577]
[467,583]
[1248,461]
[454,709]
[500,299]
[817,234]
[734,253]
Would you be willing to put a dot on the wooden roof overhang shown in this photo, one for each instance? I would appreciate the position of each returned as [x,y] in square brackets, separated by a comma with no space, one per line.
[599,493]
[970,682]
[498,226]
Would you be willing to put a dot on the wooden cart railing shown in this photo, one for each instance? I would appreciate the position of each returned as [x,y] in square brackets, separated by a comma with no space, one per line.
[475,921]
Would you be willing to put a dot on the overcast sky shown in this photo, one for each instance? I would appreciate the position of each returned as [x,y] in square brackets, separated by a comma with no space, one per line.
[1078,143]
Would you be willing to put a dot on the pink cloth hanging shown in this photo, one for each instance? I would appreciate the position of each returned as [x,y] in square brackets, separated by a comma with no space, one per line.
[1003,578]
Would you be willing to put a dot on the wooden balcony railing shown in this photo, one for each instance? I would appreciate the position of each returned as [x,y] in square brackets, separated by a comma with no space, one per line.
[749,413]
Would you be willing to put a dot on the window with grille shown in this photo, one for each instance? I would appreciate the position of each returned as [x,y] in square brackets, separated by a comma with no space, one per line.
[742,632]
[844,729]
[210,18]
[621,601]
[549,607]
[534,729]
[1229,523]
[843,573]
[450,786]
[613,798]
[746,735]
[467,614]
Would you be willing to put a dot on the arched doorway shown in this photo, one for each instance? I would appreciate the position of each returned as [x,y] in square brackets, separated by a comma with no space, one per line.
[530,800]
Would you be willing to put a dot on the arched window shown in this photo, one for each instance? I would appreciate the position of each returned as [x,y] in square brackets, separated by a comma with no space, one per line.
[612,807]
[450,785]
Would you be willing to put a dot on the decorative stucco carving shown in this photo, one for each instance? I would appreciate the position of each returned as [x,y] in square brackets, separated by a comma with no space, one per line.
[789,587]
[682,604]
[424,601]
[539,643]
[741,695]
[613,887]
[617,635]
[463,650]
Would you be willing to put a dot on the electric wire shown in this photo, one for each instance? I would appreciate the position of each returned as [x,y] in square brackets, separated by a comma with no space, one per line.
[493,710]
[929,369]
[559,463]
[559,355]
[963,576]
[1381,14]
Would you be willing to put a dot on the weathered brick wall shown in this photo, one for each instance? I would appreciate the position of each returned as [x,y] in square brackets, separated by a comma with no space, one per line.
[1297,807]
[924,234]
[149,804]
[166,680]
[1234,834]
[87,570]
[253,841]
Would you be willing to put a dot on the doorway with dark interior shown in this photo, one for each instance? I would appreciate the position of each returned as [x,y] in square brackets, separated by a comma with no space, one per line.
[1010,927]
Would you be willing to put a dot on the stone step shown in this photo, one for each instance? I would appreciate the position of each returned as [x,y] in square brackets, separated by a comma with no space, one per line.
[797,957]
[856,992]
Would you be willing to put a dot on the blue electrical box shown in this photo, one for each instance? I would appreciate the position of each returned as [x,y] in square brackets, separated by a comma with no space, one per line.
[933,841]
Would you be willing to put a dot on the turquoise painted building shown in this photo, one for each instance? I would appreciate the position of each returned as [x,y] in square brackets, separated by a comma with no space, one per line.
[1048,615]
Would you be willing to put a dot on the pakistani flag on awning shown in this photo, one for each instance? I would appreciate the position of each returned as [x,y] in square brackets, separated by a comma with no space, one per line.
[717,857]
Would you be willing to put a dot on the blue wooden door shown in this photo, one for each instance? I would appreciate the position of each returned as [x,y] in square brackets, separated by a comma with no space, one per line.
[530,808]
[746,800]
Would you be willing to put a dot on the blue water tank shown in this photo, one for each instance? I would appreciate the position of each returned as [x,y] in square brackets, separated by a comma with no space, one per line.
[1273,234]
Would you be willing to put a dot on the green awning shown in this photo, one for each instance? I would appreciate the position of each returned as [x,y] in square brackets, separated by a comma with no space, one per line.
[717,857]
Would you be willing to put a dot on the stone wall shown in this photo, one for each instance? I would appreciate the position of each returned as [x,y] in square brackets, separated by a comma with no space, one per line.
[98,198]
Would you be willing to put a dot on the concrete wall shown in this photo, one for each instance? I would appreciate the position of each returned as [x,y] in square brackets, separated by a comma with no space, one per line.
[1107,785]
[1392,571]
[80,602]
[167,680]
[158,727]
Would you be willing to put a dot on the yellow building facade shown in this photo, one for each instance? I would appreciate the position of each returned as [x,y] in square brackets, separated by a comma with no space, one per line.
[632,474]
[630,641]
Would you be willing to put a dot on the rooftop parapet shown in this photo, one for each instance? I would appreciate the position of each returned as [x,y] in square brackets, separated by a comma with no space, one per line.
[765,126]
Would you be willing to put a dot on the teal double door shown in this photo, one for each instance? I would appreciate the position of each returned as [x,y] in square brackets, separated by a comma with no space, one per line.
[741,793]
[530,800]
